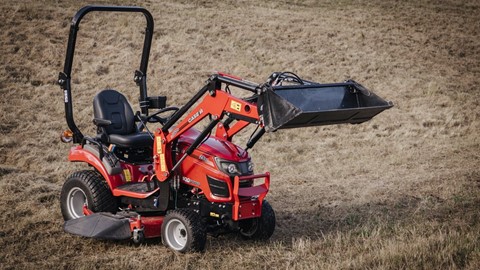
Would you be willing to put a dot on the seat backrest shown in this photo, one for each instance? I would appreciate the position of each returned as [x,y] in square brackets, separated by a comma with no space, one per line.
[109,104]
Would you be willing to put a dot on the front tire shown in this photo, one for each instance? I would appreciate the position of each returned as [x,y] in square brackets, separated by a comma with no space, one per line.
[261,228]
[86,187]
[184,231]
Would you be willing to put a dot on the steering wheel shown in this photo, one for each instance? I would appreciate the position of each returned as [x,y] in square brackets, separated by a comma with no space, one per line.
[154,118]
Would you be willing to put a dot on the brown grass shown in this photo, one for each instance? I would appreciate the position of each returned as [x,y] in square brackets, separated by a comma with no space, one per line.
[401,191]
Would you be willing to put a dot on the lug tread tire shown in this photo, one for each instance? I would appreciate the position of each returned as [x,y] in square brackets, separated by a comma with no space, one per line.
[194,225]
[99,196]
[265,225]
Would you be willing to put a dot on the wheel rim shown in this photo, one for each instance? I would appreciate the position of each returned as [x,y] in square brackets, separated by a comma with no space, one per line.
[75,200]
[176,234]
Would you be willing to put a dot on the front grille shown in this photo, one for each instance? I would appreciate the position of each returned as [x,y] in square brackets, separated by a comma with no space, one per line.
[218,187]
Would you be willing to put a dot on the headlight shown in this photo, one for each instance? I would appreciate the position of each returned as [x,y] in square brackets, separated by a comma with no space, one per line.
[234,168]
[229,167]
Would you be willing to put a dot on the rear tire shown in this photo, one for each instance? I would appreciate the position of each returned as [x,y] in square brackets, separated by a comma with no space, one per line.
[261,228]
[184,231]
[86,187]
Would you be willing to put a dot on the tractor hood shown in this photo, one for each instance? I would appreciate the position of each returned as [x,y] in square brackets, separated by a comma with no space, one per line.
[213,146]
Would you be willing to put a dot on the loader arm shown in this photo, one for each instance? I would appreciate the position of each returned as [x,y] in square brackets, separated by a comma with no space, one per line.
[216,104]
[227,132]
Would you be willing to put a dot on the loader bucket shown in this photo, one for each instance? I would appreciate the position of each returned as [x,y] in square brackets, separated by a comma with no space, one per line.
[318,104]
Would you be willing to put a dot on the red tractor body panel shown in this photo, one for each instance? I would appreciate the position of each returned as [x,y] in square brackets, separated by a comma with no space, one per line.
[215,146]
[78,154]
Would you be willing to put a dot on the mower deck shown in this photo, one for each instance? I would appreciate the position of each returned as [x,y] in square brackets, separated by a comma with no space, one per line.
[101,226]
[118,226]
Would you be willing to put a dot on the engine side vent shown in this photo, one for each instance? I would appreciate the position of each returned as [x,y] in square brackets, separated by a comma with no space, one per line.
[218,187]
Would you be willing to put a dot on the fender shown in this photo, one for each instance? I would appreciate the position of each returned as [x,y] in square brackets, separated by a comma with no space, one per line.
[78,154]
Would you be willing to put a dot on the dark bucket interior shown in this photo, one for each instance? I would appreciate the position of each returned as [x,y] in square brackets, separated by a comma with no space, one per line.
[319,104]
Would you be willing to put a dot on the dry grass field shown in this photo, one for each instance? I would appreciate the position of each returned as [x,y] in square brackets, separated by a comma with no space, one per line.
[399,192]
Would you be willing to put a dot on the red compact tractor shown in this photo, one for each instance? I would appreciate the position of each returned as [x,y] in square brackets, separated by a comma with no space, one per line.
[174,181]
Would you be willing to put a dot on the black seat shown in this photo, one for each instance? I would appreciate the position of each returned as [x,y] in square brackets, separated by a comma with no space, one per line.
[114,117]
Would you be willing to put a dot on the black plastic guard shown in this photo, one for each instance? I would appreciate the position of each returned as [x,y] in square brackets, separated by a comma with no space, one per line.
[101,226]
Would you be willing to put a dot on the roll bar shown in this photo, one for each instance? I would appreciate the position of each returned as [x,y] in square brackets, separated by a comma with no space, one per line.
[64,78]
